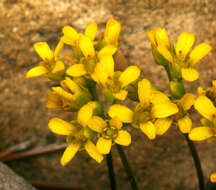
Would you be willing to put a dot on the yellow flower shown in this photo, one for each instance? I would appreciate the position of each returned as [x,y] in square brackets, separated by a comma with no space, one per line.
[69,96]
[189,57]
[210,92]
[71,36]
[213,177]
[161,46]
[181,117]
[183,58]
[91,57]
[114,83]
[109,132]
[158,37]
[78,134]
[207,109]
[152,105]
[112,32]
[51,66]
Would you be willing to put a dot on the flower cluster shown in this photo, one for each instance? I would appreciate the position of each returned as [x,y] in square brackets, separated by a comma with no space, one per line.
[180,60]
[87,80]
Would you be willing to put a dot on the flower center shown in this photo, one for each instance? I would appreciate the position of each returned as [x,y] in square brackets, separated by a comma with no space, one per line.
[110,132]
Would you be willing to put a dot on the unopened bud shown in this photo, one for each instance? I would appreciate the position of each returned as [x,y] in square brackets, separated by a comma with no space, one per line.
[176,89]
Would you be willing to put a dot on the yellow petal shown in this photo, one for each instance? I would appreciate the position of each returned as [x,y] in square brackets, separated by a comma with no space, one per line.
[70,84]
[54,101]
[107,64]
[96,124]
[123,138]
[107,50]
[213,177]
[93,151]
[162,37]
[59,66]
[129,75]
[149,129]
[76,70]
[91,30]
[84,114]
[184,44]
[44,51]
[205,107]
[165,53]
[100,74]
[121,95]
[144,91]
[200,133]
[162,125]
[112,31]
[61,127]
[86,46]
[36,71]
[58,48]
[104,145]
[151,35]
[69,153]
[70,35]
[159,97]
[122,112]
[187,101]
[116,122]
[61,92]
[189,74]
[163,110]
[185,124]
[199,52]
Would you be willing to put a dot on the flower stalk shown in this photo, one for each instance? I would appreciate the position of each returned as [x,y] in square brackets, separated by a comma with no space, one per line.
[111,171]
[193,150]
[197,162]
[127,167]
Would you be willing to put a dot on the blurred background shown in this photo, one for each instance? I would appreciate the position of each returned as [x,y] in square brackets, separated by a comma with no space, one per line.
[164,163]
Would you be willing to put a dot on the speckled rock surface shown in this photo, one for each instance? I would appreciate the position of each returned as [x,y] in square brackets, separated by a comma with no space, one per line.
[11,181]
[164,163]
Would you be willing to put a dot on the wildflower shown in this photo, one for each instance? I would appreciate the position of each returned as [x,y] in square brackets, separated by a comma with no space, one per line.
[71,36]
[69,96]
[91,57]
[146,111]
[109,132]
[210,92]
[213,177]
[207,109]
[114,83]
[183,60]
[79,136]
[112,32]
[181,118]
[51,66]
[159,36]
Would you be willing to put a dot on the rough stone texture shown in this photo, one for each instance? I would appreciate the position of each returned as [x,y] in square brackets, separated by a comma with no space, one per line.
[11,181]
[164,163]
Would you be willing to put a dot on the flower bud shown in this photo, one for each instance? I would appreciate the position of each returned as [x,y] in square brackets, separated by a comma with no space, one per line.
[108,96]
[112,31]
[132,92]
[176,89]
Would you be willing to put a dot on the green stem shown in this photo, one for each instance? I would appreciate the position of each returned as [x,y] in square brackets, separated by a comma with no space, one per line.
[196,162]
[93,90]
[168,72]
[193,150]
[127,167]
[111,171]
